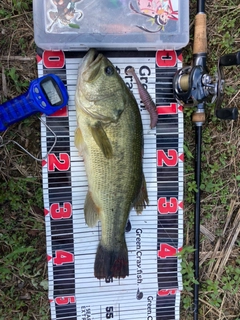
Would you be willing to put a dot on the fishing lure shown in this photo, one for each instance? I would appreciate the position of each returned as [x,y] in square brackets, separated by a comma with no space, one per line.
[146,98]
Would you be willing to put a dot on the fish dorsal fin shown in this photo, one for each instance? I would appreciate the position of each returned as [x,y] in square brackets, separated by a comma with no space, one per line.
[102,140]
[91,212]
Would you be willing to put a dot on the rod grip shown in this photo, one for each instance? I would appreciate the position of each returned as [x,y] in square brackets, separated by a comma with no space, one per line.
[198,117]
[200,34]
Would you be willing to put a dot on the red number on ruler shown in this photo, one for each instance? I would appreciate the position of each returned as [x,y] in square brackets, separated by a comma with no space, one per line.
[53,59]
[65,300]
[170,159]
[165,207]
[62,257]
[171,109]
[58,212]
[62,164]
[166,292]
[166,58]
[60,113]
[166,251]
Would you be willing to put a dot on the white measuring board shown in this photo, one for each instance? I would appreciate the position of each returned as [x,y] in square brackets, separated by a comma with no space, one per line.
[152,289]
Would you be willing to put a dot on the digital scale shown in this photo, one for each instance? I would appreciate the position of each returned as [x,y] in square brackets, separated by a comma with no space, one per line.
[46,94]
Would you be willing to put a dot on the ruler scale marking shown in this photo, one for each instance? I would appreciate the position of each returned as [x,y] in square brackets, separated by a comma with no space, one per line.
[155,237]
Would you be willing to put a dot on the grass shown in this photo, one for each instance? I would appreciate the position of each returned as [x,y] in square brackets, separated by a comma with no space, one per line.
[23,273]
[23,270]
[220,206]
[22,232]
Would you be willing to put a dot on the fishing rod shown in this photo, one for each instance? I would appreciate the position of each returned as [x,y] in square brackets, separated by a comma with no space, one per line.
[194,87]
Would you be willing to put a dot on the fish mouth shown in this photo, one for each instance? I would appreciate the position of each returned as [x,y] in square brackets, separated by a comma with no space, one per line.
[90,57]
[91,65]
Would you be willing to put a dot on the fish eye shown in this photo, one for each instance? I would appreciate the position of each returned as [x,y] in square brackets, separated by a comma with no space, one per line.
[109,71]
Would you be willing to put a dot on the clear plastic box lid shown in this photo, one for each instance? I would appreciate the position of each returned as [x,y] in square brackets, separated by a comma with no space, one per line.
[111,24]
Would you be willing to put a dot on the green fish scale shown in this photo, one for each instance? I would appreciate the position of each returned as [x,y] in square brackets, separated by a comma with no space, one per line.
[114,183]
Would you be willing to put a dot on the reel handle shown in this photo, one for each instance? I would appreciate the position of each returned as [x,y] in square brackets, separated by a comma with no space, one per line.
[227,113]
[231,59]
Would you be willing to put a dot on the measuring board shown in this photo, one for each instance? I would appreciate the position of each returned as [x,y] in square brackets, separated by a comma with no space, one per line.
[152,289]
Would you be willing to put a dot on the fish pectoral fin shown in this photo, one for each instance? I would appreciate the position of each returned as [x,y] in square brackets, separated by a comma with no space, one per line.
[78,140]
[142,199]
[91,211]
[102,140]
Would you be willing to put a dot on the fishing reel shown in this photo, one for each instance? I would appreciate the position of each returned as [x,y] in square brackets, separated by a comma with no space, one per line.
[193,86]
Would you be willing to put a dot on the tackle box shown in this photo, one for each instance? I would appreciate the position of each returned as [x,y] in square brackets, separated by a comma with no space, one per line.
[77,25]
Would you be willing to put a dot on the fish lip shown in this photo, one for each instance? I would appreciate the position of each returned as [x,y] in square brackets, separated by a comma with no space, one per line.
[90,59]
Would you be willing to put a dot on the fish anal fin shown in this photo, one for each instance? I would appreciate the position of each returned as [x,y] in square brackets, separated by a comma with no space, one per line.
[91,211]
[142,199]
[102,140]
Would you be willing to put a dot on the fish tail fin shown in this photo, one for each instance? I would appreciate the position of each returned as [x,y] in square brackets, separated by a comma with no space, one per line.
[111,263]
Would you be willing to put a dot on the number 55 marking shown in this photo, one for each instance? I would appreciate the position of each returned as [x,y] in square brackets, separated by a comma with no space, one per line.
[109,312]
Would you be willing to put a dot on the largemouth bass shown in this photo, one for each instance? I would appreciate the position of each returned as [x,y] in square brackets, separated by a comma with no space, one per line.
[109,137]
